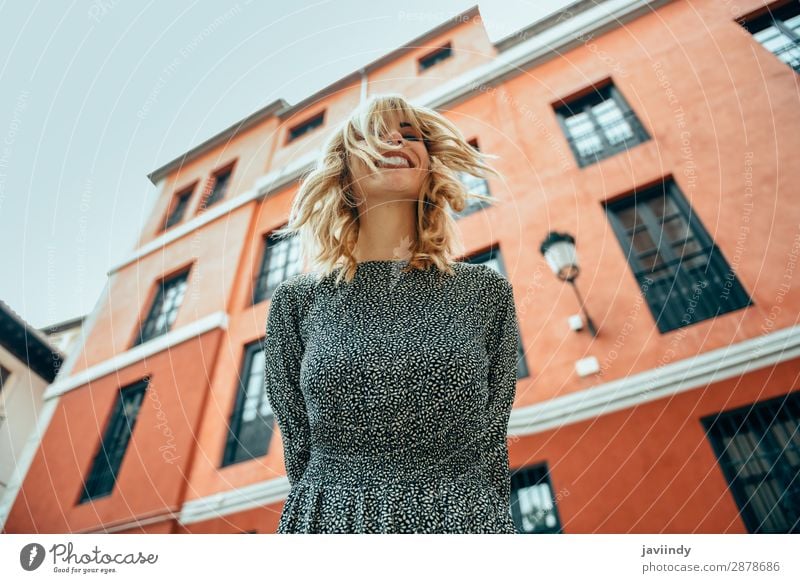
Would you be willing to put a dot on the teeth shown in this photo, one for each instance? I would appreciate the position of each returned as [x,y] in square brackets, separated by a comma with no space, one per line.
[395,161]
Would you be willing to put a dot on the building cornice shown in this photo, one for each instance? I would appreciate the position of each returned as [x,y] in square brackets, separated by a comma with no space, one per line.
[150,348]
[665,381]
[157,517]
[267,184]
[28,345]
[228,502]
[220,138]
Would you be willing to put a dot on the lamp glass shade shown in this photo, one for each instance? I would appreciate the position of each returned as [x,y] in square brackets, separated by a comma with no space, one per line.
[563,260]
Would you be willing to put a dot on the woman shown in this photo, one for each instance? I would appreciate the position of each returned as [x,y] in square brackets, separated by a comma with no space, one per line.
[392,369]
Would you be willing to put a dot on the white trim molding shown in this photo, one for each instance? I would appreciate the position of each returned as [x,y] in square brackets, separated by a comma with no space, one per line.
[218,210]
[52,394]
[543,46]
[264,185]
[671,379]
[155,518]
[674,378]
[137,353]
[231,501]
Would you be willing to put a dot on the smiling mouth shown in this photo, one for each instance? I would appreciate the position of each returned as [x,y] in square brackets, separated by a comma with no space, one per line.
[394,163]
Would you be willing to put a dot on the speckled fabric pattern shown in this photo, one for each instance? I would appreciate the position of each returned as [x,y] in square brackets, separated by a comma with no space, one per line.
[392,394]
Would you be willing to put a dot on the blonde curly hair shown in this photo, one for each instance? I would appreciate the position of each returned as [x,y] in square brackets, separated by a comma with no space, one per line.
[325,212]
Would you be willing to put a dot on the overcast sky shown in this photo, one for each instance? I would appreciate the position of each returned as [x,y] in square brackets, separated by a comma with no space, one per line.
[96,94]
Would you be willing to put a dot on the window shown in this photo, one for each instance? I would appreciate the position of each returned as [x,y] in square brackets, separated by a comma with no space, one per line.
[533,506]
[682,273]
[436,56]
[164,309]
[476,185]
[4,374]
[779,32]
[492,259]
[108,459]
[281,259]
[219,186]
[178,208]
[306,126]
[599,125]
[758,451]
[252,421]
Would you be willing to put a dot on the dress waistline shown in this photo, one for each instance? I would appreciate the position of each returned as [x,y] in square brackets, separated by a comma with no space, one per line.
[334,468]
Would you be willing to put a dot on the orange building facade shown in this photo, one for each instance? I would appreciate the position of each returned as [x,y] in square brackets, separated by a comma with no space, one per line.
[661,135]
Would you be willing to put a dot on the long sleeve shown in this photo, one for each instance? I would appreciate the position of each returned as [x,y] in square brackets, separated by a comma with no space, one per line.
[501,344]
[283,353]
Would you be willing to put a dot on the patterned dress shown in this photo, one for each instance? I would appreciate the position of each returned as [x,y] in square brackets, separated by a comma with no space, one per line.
[392,394]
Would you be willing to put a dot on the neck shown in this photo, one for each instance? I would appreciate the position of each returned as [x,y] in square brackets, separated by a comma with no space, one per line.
[387,230]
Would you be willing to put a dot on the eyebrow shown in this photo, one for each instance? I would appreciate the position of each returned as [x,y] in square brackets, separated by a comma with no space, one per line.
[405,124]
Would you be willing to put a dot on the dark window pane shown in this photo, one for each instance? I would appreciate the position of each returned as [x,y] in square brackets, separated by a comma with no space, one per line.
[169,297]
[682,274]
[4,374]
[611,120]
[628,218]
[178,209]
[280,260]
[758,449]
[436,57]
[219,188]
[252,421]
[778,31]
[600,125]
[662,206]
[676,229]
[306,126]
[491,258]
[473,185]
[107,461]
[533,505]
[643,242]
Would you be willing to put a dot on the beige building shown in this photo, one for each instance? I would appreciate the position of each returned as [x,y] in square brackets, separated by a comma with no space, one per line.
[28,364]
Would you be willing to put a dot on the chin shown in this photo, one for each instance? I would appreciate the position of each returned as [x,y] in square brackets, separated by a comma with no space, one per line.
[396,185]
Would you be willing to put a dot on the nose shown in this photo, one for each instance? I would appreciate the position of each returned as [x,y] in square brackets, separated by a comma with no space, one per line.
[395,136]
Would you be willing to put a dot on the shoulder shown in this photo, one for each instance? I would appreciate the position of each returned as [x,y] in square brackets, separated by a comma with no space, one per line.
[295,294]
[491,291]
[287,302]
[297,285]
[485,276]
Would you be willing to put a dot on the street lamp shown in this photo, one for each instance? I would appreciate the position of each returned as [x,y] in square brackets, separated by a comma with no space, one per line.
[559,252]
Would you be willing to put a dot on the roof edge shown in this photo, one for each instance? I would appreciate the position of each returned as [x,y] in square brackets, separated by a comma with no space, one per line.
[29,345]
[282,109]
[536,27]
[63,325]
[241,125]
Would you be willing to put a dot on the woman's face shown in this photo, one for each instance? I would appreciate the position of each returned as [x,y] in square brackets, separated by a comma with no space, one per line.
[402,179]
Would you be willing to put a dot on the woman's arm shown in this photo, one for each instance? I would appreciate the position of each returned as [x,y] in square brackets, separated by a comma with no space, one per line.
[502,342]
[283,353]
